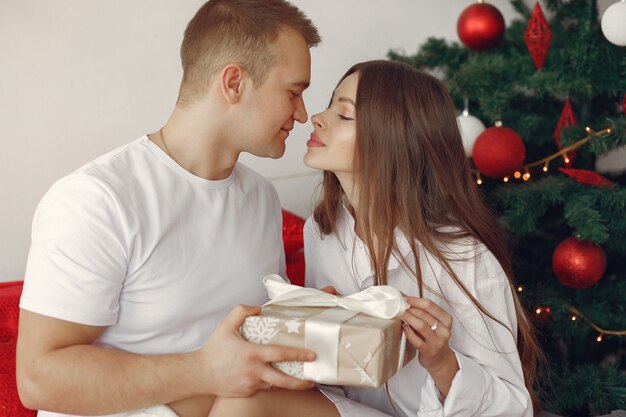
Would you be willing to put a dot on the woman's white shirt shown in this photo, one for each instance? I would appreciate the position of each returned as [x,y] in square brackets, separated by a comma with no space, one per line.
[490,380]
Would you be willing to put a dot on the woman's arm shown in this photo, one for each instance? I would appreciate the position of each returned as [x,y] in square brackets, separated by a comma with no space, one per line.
[489,381]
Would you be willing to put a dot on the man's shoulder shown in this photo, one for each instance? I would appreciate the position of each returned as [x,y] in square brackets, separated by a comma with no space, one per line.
[98,177]
[115,160]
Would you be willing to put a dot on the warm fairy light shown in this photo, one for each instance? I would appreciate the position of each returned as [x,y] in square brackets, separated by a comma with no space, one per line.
[546,161]
[538,310]
[600,331]
[520,289]
[548,310]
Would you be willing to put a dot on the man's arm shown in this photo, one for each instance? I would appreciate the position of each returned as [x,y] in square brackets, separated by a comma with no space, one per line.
[59,369]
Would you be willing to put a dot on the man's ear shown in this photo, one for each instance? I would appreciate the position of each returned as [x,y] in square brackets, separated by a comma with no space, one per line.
[232,77]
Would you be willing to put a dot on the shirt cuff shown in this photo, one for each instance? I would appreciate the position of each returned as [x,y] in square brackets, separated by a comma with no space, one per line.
[462,399]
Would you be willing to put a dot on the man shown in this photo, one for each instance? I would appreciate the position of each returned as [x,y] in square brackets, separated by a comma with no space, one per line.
[138,256]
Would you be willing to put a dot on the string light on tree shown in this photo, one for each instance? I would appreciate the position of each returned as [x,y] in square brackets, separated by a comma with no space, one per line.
[562,153]
[601,331]
[613,23]
[480,26]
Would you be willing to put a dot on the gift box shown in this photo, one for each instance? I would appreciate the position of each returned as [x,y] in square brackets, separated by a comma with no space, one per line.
[358,339]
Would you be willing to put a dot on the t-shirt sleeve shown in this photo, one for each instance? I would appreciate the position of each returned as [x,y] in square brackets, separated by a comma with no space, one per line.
[78,256]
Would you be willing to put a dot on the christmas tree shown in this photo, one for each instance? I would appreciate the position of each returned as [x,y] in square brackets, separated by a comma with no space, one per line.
[554,84]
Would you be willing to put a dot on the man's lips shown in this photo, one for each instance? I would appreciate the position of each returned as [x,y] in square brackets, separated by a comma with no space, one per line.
[315,141]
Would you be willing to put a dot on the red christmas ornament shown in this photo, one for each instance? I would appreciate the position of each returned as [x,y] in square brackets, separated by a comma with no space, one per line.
[585,177]
[624,104]
[567,118]
[538,36]
[578,263]
[498,152]
[480,26]
[292,232]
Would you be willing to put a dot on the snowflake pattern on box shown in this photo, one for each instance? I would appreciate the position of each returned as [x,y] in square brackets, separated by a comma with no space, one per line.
[260,329]
[295,369]
[365,378]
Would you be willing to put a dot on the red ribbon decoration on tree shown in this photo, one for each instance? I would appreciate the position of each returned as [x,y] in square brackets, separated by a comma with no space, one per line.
[567,118]
[538,36]
[585,177]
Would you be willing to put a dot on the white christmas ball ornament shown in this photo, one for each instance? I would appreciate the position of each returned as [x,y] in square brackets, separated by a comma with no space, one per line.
[614,23]
[471,127]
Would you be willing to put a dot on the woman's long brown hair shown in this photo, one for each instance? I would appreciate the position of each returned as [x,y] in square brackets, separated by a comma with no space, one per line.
[414,176]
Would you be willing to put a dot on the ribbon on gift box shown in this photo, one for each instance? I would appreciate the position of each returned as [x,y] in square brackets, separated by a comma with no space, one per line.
[321,333]
[382,301]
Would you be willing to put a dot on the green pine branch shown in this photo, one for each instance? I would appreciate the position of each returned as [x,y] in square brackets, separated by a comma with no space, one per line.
[588,378]
[590,388]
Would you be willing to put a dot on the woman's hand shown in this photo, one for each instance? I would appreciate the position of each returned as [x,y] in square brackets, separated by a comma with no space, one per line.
[330,290]
[428,328]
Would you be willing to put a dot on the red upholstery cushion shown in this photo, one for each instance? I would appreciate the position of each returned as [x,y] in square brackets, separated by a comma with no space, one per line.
[292,232]
[294,243]
[295,268]
[10,404]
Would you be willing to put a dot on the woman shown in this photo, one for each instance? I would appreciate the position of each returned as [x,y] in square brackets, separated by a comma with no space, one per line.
[399,207]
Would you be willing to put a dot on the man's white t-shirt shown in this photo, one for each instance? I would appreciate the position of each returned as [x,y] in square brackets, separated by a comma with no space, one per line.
[135,242]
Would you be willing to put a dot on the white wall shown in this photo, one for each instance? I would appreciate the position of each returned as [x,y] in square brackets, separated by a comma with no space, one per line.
[78,78]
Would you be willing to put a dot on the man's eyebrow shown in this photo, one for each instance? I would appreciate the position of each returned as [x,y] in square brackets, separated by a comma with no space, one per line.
[303,84]
[346,100]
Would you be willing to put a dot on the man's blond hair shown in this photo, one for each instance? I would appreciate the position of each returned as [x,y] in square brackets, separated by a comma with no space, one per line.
[240,32]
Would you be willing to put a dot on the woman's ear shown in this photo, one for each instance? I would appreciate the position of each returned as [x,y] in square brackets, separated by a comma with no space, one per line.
[231,82]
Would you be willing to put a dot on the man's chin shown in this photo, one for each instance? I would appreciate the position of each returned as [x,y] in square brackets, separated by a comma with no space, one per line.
[274,154]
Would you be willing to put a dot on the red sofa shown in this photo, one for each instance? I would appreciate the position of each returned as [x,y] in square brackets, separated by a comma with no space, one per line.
[10,405]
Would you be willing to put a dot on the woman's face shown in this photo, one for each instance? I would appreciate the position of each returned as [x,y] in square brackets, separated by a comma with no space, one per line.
[332,143]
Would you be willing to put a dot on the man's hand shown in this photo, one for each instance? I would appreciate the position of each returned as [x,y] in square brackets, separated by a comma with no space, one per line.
[238,368]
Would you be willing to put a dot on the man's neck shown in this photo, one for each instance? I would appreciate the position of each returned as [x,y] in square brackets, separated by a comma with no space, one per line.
[197,146]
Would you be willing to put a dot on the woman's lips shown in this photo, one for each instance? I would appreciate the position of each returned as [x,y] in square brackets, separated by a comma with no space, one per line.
[315,142]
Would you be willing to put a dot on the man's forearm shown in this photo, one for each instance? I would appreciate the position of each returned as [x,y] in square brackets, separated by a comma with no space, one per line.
[92,380]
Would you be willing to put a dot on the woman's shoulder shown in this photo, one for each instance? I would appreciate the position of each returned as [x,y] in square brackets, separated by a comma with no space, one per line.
[471,261]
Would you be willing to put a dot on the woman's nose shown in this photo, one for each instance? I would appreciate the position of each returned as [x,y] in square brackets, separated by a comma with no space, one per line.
[316,119]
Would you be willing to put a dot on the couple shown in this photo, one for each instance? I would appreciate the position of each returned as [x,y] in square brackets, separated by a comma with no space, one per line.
[137,258]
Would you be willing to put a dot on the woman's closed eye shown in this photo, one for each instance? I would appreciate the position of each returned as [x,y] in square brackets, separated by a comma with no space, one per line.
[342,117]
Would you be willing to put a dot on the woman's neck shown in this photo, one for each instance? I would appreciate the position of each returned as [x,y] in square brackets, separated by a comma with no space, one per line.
[350,190]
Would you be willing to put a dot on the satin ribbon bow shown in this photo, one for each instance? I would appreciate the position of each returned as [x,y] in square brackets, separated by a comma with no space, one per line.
[382,301]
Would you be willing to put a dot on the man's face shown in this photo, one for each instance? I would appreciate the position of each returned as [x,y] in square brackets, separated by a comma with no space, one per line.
[272,107]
